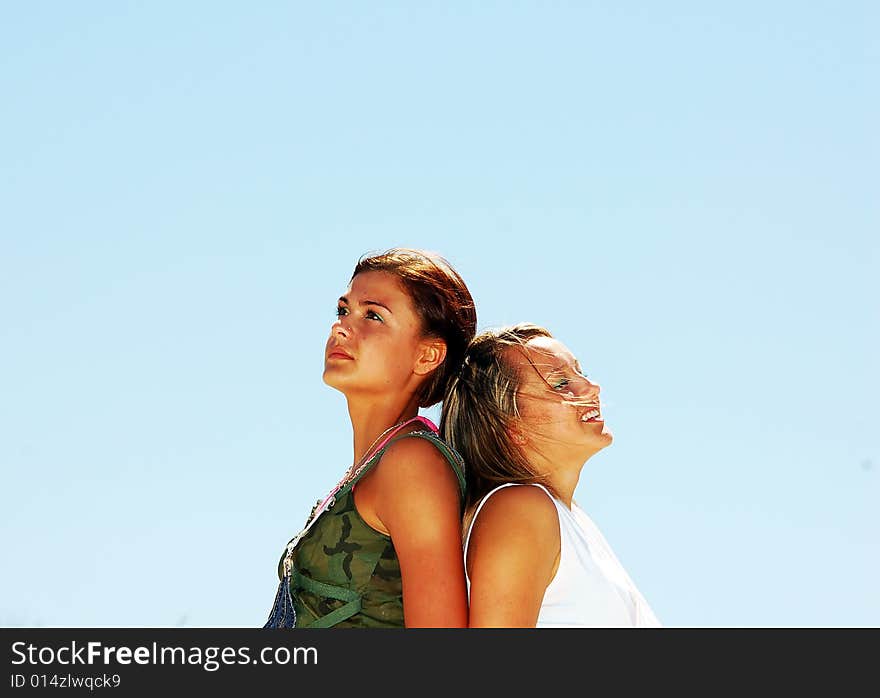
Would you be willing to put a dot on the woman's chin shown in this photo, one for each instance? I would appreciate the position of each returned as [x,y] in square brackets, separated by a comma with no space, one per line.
[604,437]
[332,378]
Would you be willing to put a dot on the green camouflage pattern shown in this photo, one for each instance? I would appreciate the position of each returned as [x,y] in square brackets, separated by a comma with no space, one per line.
[342,550]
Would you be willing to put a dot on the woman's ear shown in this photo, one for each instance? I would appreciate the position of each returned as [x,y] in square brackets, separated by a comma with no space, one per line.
[431,355]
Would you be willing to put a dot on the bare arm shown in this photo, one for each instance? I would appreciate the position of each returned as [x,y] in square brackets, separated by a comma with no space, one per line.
[414,494]
[513,554]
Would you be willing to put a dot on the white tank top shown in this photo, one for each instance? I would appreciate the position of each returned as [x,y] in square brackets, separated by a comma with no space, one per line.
[590,587]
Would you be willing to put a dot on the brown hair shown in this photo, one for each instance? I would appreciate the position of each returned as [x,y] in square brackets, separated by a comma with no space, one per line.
[440,298]
[479,410]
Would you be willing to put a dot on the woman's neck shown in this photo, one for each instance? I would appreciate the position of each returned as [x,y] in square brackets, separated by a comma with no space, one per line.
[369,419]
[562,469]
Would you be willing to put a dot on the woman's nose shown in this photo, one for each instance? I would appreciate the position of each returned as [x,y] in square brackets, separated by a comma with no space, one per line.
[588,388]
[340,329]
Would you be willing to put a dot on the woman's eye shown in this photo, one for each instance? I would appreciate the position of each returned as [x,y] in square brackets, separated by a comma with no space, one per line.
[372,315]
[341,311]
[560,384]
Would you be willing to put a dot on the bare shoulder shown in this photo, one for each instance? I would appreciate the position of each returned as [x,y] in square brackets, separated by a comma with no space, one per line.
[415,463]
[515,535]
[525,508]
[415,497]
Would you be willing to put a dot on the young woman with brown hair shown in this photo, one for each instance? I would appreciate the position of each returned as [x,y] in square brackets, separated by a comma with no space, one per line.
[383,549]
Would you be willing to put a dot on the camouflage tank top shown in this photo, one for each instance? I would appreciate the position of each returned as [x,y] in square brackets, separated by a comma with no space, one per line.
[346,574]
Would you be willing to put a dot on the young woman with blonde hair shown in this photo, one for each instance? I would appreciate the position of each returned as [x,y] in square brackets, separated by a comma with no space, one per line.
[526,419]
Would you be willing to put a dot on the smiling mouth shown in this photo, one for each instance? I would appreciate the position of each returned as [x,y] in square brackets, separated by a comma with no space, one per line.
[591,416]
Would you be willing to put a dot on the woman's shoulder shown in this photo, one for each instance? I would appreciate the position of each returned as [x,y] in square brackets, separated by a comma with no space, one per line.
[418,456]
[527,509]
[420,445]
[515,531]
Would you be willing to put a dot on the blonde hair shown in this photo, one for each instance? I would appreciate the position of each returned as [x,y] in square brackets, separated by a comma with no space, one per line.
[480,411]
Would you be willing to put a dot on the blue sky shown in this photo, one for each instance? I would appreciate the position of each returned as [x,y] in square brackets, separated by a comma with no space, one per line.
[685,195]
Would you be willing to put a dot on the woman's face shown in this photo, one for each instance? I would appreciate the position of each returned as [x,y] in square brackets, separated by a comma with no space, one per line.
[376,338]
[558,405]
